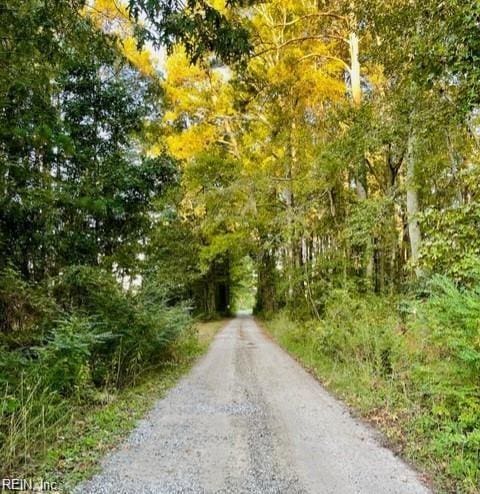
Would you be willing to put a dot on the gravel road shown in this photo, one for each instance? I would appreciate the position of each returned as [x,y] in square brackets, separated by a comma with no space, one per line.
[249,419]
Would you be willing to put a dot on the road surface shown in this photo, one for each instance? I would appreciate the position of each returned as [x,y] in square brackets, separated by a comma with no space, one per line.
[249,419]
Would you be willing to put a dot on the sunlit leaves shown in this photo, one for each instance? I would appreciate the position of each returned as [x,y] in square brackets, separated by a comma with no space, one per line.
[200,107]
[112,17]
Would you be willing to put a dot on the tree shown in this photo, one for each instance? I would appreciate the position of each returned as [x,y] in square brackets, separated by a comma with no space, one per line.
[77,183]
[197,25]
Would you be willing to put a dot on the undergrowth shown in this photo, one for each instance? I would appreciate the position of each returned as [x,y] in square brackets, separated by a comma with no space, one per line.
[411,366]
[91,343]
[73,447]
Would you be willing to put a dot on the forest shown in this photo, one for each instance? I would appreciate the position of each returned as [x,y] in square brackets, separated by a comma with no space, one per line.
[315,162]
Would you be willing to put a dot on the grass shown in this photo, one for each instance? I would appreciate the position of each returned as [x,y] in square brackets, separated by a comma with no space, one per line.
[429,437]
[74,452]
[207,331]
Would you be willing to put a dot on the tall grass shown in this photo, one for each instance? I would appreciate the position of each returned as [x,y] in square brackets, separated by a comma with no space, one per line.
[30,417]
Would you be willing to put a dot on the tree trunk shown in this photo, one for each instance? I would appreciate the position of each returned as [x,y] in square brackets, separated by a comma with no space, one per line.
[290,204]
[361,178]
[355,79]
[413,209]
[266,292]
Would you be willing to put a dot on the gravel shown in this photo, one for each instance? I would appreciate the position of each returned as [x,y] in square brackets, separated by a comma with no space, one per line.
[249,419]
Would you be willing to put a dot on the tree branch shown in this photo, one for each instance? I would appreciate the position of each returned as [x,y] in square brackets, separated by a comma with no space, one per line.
[309,16]
[301,40]
[327,57]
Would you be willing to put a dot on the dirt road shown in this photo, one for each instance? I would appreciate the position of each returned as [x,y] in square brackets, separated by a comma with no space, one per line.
[249,419]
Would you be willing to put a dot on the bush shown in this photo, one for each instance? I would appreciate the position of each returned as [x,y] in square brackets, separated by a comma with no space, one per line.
[445,370]
[450,320]
[66,360]
[96,336]
[23,307]
[141,326]
[360,329]
[162,323]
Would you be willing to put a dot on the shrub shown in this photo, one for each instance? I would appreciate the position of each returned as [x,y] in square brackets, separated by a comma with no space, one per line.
[23,306]
[162,323]
[66,360]
[451,321]
[97,335]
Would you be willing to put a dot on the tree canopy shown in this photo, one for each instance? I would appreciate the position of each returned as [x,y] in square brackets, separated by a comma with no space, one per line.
[166,158]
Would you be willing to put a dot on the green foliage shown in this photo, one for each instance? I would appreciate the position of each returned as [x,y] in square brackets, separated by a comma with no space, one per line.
[70,449]
[80,186]
[162,322]
[438,42]
[22,306]
[413,370]
[450,323]
[140,326]
[30,412]
[197,25]
[65,360]
[287,181]
[451,244]
[76,184]
[99,338]
[243,285]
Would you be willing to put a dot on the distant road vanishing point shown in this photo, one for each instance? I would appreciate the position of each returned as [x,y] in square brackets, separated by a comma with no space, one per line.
[249,419]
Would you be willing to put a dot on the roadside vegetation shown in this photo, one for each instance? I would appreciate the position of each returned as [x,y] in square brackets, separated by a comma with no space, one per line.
[94,340]
[343,161]
[68,449]
[92,328]
[409,366]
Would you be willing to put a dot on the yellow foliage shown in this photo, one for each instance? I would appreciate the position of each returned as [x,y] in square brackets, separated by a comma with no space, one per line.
[296,77]
[192,141]
[220,5]
[155,150]
[200,98]
[141,59]
[180,71]
[112,17]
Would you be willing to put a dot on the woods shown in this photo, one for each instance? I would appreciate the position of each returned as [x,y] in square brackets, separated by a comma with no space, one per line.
[77,209]
[315,161]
